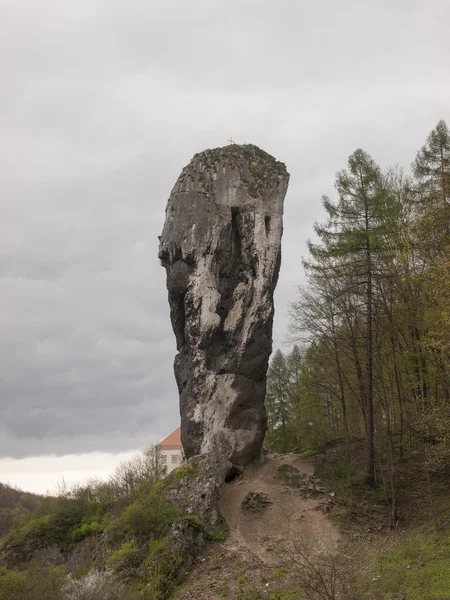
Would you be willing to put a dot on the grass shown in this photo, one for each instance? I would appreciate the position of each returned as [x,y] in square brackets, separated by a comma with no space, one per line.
[219,533]
[280,573]
[417,567]
[310,452]
[356,505]
[224,591]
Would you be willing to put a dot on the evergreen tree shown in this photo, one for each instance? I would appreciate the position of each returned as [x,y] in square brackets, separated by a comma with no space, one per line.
[349,243]
[432,169]
[278,403]
[432,164]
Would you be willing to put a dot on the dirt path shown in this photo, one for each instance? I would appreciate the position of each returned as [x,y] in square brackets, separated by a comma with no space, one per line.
[256,559]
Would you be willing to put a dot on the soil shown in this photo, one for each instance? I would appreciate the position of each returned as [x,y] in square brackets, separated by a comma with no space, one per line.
[265,544]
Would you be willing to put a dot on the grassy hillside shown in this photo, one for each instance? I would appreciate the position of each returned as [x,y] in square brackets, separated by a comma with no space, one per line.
[406,559]
[113,537]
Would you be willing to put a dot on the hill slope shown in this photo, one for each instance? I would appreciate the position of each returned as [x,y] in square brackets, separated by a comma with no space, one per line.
[276,516]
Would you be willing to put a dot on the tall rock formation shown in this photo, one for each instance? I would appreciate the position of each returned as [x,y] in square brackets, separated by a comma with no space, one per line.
[221,248]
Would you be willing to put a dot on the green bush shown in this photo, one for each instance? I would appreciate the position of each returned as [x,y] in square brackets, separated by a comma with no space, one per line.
[310,452]
[152,516]
[159,574]
[219,533]
[89,526]
[194,522]
[12,584]
[20,543]
[33,584]
[127,518]
[126,559]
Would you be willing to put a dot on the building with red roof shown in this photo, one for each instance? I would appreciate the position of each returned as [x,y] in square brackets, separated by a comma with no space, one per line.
[170,450]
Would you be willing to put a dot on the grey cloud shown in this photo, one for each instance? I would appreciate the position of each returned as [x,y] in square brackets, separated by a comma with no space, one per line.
[103,102]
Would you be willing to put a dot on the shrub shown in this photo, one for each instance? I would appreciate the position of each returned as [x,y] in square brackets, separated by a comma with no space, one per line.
[32,584]
[150,515]
[89,526]
[159,573]
[219,533]
[126,559]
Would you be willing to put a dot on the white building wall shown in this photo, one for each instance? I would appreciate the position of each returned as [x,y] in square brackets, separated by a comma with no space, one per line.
[171,457]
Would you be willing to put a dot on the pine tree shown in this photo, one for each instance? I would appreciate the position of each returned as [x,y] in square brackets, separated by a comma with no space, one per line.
[432,164]
[432,169]
[277,402]
[348,248]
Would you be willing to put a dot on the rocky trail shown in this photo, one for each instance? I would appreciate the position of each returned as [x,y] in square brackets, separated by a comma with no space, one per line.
[276,514]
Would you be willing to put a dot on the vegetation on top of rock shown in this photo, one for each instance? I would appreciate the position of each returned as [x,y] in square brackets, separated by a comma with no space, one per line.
[236,152]
[260,169]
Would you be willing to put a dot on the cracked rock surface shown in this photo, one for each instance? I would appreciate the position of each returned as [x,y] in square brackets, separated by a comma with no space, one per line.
[221,248]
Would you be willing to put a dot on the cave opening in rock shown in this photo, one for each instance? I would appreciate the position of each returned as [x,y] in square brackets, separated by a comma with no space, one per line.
[233,474]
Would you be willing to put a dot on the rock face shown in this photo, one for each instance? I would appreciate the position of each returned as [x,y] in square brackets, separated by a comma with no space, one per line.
[221,248]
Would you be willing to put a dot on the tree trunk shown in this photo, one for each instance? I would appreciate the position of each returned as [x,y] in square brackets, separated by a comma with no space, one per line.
[370,457]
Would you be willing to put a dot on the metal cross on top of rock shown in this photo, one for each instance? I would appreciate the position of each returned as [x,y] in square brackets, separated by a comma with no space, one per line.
[231,141]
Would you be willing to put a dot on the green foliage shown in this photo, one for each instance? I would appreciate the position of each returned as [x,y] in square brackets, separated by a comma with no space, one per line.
[241,577]
[432,169]
[417,568]
[16,506]
[285,595]
[310,452]
[283,400]
[354,501]
[133,514]
[280,573]
[371,324]
[32,584]
[193,522]
[126,559]
[150,515]
[185,470]
[160,573]
[248,593]
[219,533]
[89,526]
[32,534]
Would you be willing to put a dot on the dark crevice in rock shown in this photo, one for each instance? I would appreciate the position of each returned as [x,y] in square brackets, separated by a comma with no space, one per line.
[180,321]
[233,474]
[235,234]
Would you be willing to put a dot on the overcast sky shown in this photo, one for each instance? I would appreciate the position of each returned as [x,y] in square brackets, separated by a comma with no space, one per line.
[102,103]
